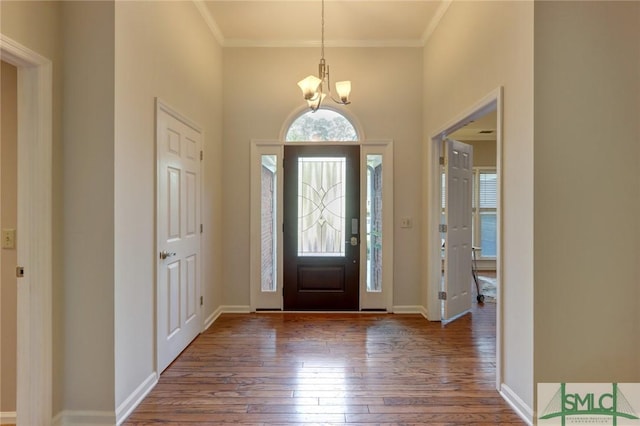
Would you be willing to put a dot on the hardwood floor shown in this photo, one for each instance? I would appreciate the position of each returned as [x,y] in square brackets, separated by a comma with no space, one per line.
[283,369]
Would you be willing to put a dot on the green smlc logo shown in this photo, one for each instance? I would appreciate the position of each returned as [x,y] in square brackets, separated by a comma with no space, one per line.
[612,405]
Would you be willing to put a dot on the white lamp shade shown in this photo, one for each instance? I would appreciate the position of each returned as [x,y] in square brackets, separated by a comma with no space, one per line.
[344,89]
[309,86]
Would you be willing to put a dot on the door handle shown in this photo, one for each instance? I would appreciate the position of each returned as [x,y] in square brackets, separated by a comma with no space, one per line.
[164,254]
[353,241]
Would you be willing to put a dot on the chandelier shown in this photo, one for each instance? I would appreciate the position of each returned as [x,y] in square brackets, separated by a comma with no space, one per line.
[312,86]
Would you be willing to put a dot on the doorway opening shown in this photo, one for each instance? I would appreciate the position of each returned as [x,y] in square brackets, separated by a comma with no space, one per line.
[480,136]
[305,243]
[480,128]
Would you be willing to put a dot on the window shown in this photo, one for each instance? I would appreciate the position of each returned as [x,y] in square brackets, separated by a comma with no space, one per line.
[485,211]
[322,125]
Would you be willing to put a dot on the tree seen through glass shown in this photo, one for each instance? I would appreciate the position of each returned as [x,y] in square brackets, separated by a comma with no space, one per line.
[322,125]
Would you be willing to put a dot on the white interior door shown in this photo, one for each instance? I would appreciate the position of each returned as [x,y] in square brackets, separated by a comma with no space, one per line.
[178,145]
[457,266]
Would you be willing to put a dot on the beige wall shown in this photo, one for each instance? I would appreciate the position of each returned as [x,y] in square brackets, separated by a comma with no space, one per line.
[100,357]
[478,47]
[8,220]
[484,153]
[587,192]
[88,118]
[36,25]
[260,93]
[165,50]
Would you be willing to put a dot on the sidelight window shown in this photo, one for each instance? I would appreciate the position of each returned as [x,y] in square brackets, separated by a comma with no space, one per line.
[374,222]
[268,220]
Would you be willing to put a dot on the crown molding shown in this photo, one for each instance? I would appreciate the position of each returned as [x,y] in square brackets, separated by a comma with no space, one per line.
[217,33]
[208,19]
[435,21]
[316,43]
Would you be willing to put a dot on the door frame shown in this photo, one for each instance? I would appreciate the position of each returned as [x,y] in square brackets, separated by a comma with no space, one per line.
[276,147]
[492,101]
[352,154]
[35,254]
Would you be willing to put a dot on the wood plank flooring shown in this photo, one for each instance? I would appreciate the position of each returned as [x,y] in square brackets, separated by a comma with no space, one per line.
[285,368]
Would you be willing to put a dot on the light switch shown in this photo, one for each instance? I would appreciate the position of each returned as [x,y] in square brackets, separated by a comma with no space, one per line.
[8,238]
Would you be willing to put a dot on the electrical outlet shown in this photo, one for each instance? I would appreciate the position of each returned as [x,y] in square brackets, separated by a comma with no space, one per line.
[8,238]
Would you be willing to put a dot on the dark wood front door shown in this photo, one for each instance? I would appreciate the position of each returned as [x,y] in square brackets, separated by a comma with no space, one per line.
[321,227]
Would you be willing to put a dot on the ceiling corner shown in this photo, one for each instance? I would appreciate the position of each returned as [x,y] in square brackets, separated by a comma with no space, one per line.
[208,19]
[435,21]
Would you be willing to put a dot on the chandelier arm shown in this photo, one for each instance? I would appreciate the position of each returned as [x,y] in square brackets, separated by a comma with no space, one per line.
[327,74]
[338,101]
[317,106]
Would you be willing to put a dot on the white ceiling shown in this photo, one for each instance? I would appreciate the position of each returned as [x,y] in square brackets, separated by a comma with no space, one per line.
[298,22]
[481,129]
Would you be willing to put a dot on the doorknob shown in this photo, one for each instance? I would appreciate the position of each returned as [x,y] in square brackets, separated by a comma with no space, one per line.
[164,254]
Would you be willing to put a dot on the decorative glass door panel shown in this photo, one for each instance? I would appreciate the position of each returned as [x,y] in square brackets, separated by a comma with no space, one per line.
[321,206]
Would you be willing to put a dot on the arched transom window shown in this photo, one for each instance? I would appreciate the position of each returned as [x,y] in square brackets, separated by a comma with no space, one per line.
[322,125]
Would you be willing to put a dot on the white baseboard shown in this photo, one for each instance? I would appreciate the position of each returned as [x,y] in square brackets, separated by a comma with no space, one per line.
[521,408]
[246,309]
[212,318]
[7,417]
[409,309]
[235,309]
[84,418]
[136,397]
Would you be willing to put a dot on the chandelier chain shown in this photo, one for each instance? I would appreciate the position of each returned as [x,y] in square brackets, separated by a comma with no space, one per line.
[312,86]
[322,39]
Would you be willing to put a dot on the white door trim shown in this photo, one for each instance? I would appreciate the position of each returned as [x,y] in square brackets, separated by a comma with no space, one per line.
[257,298]
[34,347]
[493,100]
[383,299]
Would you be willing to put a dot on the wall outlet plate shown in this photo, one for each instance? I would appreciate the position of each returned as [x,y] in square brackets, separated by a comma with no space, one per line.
[8,238]
[406,222]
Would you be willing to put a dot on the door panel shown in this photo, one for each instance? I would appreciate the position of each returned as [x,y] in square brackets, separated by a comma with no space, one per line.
[458,188]
[321,227]
[319,278]
[178,219]
[173,299]
[192,296]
